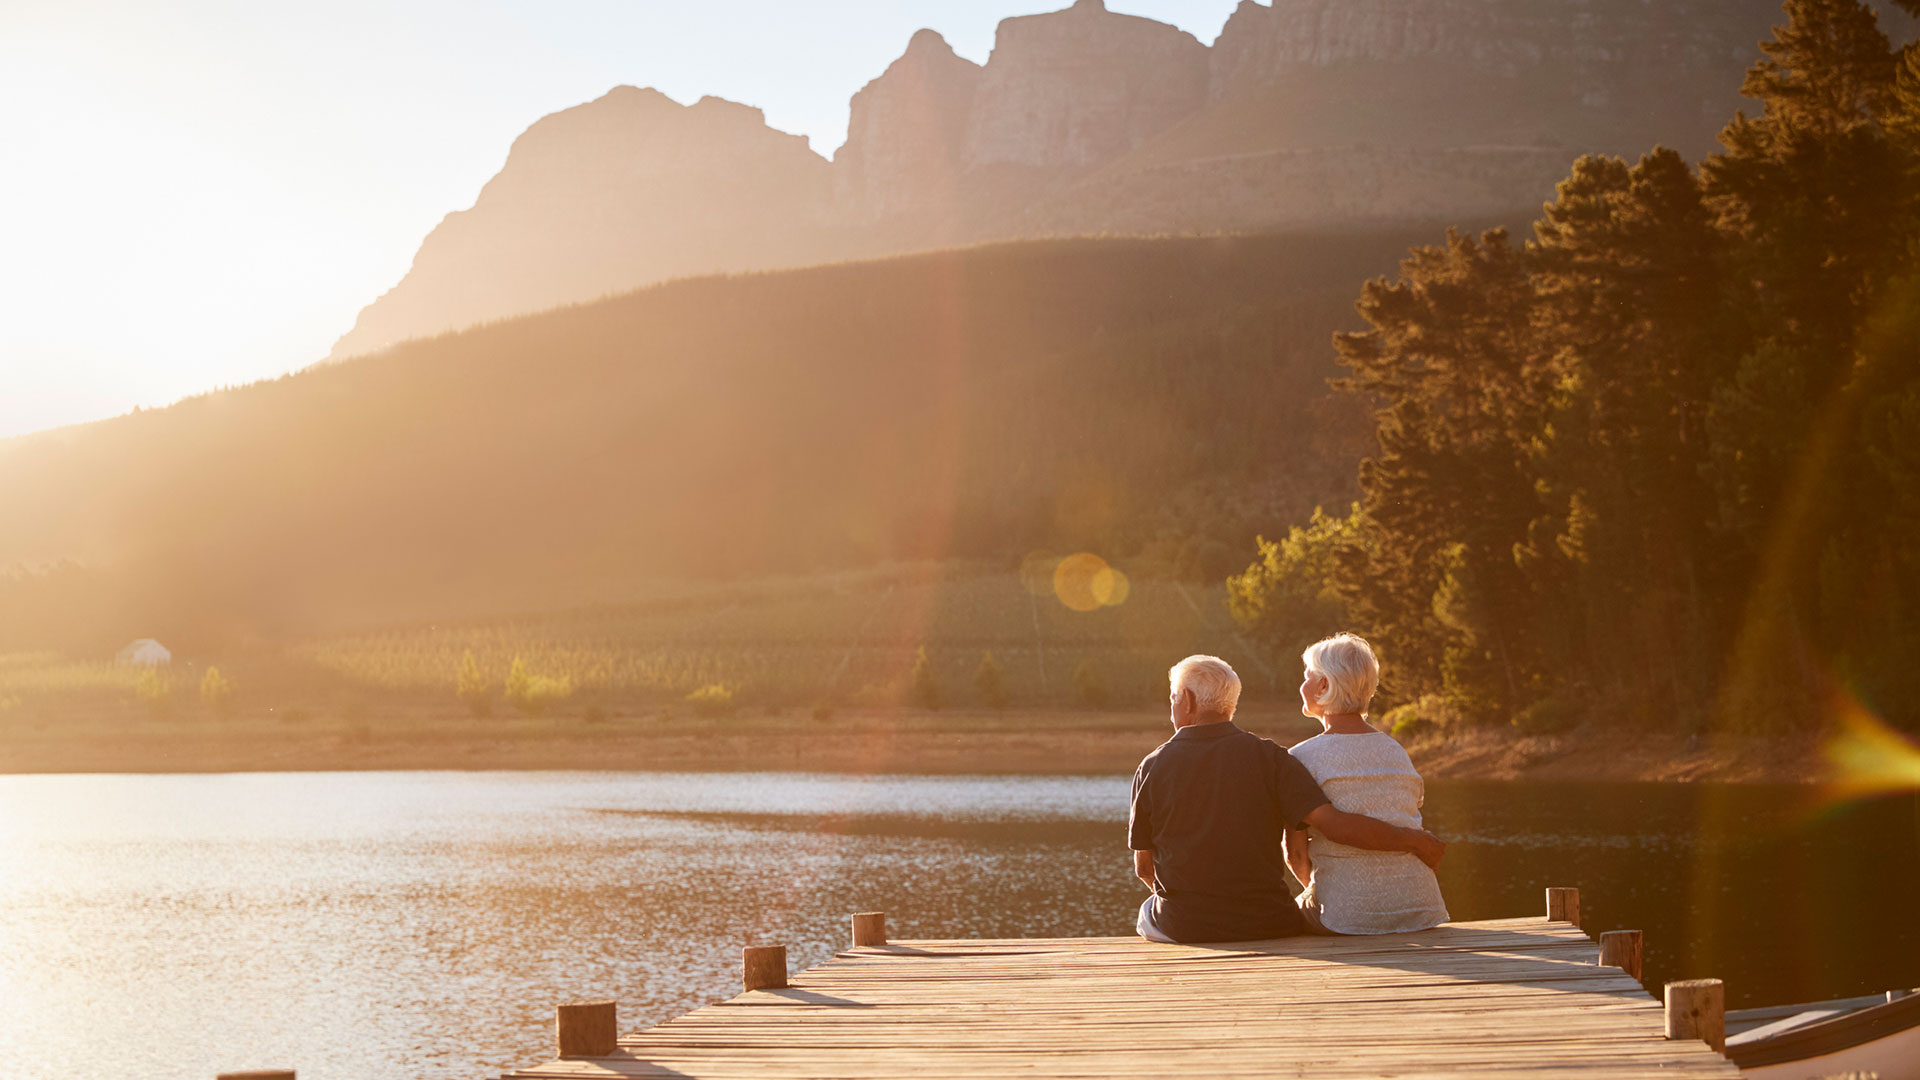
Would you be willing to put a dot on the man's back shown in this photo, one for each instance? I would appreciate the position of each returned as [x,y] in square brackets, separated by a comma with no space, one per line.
[1211,804]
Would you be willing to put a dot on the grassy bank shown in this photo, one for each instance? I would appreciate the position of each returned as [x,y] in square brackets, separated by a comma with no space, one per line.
[817,674]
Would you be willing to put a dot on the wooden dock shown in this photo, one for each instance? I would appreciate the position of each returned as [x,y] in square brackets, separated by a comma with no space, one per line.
[1510,997]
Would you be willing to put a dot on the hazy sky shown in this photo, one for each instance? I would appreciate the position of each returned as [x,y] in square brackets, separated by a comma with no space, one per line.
[196,194]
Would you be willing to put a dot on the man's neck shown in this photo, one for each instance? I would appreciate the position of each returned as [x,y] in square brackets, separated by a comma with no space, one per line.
[1199,720]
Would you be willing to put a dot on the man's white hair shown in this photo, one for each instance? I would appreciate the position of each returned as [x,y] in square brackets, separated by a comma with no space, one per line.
[1351,670]
[1211,680]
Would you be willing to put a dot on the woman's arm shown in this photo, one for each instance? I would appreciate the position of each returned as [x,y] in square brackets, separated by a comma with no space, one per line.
[1299,860]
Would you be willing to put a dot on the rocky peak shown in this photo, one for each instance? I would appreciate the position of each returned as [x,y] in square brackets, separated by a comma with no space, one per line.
[628,188]
[633,136]
[1579,38]
[1071,89]
[925,42]
[905,133]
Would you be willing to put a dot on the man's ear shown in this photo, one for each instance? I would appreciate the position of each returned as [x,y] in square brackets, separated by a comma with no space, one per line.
[1186,702]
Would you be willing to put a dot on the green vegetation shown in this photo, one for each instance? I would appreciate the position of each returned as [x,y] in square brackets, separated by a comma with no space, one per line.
[216,692]
[472,687]
[712,699]
[1662,462]
[805,642]
[154,688]
[534,694]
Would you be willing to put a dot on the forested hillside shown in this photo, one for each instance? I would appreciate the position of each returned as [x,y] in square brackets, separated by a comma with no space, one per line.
[1661,463]
[1154,401]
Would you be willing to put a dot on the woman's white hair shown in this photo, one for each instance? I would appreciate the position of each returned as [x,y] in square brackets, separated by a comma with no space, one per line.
[1211,680]
[1351,670]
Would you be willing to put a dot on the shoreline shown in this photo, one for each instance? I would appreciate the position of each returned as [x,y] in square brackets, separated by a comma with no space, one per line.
[1035,742]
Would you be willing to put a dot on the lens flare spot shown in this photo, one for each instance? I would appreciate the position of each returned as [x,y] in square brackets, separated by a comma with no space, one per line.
[1869,758]
[1073,580]
[1085,582]
[1111,587]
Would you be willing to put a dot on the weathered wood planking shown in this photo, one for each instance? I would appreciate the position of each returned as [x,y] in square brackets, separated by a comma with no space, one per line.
[1506,998]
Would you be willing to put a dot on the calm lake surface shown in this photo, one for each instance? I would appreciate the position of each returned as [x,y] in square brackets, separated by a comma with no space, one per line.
[365,926]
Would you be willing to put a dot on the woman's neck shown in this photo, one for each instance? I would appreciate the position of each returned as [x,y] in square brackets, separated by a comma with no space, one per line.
[1345,724]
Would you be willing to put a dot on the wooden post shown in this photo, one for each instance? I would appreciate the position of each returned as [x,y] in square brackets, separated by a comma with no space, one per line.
[764,968]
[258,1074]
[1621,949]
[1563,905]
[586,1029]
[870,928]
[1697,1009]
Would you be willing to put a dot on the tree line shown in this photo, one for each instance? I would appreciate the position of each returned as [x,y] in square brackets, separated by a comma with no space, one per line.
[1661,461]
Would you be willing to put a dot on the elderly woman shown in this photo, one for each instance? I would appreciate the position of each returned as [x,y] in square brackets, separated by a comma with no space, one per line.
[1364,771]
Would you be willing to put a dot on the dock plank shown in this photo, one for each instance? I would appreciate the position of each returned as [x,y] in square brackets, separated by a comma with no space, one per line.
[1509,998]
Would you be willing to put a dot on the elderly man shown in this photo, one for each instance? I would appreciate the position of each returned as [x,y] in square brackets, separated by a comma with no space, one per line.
[1210,808]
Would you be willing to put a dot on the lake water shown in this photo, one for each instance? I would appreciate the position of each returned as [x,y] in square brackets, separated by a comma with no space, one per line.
[365,926]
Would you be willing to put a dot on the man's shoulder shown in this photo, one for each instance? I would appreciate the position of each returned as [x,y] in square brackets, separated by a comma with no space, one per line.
[1153,755]
[1258,743]
[1238,736]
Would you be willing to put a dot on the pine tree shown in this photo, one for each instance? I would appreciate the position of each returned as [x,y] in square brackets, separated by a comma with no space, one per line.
[1455,360]
[1633,268]
[473,688]
[1811,184]
[923,689]
[1828,69]
[216,692]
[989,684]
[519,687]
[1088,684]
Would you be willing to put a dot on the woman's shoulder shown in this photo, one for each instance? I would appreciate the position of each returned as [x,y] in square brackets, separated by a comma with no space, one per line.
[1370,749]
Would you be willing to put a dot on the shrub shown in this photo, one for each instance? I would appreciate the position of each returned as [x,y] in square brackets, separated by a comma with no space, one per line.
[713,699]
[216,692]
[922,688]
[1288,594]
[594,714]
[534,694]
[1086,682]
[154,688]
[1405,723]
[1547,716]
[988,682]
[472,687]
[822,713]
[1416,719]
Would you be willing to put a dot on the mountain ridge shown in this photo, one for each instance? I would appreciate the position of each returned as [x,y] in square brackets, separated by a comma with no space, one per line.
[1302,113]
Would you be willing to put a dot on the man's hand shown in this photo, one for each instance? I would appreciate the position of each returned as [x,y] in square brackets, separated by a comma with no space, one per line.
[1428,848]
[1358,830]
[1143,868]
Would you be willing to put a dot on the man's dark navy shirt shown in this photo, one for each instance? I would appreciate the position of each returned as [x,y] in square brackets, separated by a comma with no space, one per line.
[1211,804]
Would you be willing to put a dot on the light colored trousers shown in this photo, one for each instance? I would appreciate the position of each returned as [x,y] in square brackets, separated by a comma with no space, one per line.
[1144,924]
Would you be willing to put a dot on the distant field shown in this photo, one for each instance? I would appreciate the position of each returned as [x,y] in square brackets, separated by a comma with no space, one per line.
[841,640]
